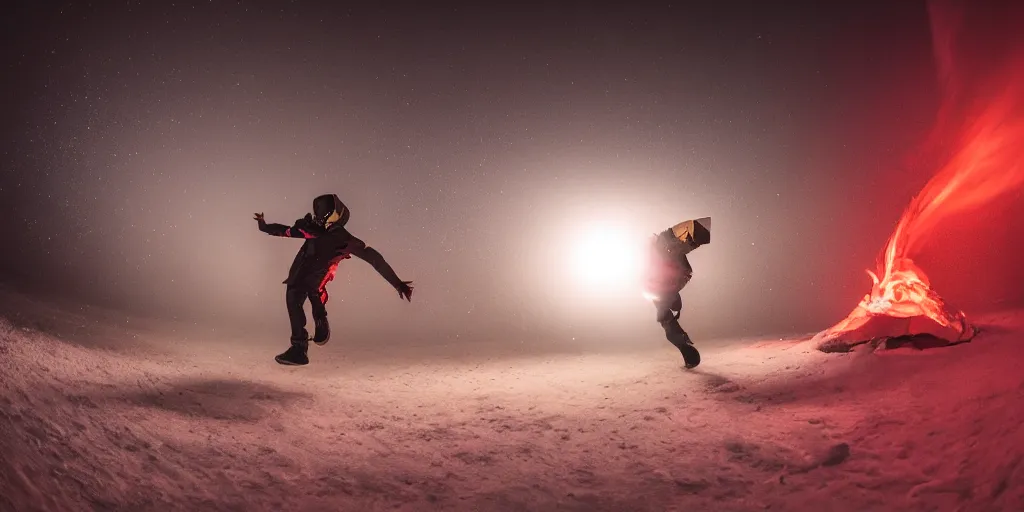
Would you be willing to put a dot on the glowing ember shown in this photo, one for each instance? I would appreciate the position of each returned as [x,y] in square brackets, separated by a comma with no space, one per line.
[988,163]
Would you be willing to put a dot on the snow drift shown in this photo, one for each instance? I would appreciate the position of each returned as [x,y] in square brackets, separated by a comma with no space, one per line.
[214,424]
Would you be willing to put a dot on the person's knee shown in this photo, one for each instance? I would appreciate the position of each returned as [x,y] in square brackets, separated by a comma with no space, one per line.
[667,308]
[295,296]
[665,315]
[317,297]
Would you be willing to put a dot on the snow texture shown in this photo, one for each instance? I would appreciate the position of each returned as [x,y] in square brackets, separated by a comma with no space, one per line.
[100,413]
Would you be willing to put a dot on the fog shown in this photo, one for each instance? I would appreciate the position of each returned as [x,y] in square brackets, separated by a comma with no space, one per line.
[472,146]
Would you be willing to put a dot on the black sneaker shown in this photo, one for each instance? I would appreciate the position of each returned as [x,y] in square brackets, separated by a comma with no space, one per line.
[691,356]
[294,356]
[323,331]
[678,337]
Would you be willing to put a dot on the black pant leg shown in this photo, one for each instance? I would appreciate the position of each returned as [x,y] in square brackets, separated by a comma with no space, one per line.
[667,309]
[295,298]
[318,302]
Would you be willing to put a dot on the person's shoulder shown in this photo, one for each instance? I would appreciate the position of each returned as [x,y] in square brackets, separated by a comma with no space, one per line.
[339,233]
[344,236]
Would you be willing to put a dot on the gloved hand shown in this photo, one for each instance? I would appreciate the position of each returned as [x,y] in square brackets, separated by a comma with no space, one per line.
[405,290]
[258,217]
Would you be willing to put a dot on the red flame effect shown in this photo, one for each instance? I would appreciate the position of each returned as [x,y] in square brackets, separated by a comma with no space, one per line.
[987,163]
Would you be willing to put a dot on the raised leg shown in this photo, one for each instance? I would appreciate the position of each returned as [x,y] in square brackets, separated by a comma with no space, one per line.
[668,316]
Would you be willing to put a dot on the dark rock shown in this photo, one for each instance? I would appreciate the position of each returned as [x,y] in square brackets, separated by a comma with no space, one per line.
[836,455]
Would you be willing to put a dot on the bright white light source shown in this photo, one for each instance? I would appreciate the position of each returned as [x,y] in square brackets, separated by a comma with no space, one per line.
[606,258]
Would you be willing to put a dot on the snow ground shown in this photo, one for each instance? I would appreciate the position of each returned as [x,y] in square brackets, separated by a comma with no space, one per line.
[96,416]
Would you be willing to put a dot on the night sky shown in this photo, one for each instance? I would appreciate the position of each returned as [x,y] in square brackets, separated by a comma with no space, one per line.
[472,143]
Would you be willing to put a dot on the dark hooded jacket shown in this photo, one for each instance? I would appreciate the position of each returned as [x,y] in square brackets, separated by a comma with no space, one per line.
[317,260]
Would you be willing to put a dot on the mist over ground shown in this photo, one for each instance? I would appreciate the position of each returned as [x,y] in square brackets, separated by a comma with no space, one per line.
[471,144]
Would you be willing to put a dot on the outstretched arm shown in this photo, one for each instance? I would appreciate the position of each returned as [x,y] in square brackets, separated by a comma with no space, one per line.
[303,228]
[370,255]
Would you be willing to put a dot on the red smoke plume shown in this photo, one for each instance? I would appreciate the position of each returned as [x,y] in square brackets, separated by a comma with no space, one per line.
[981,123]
